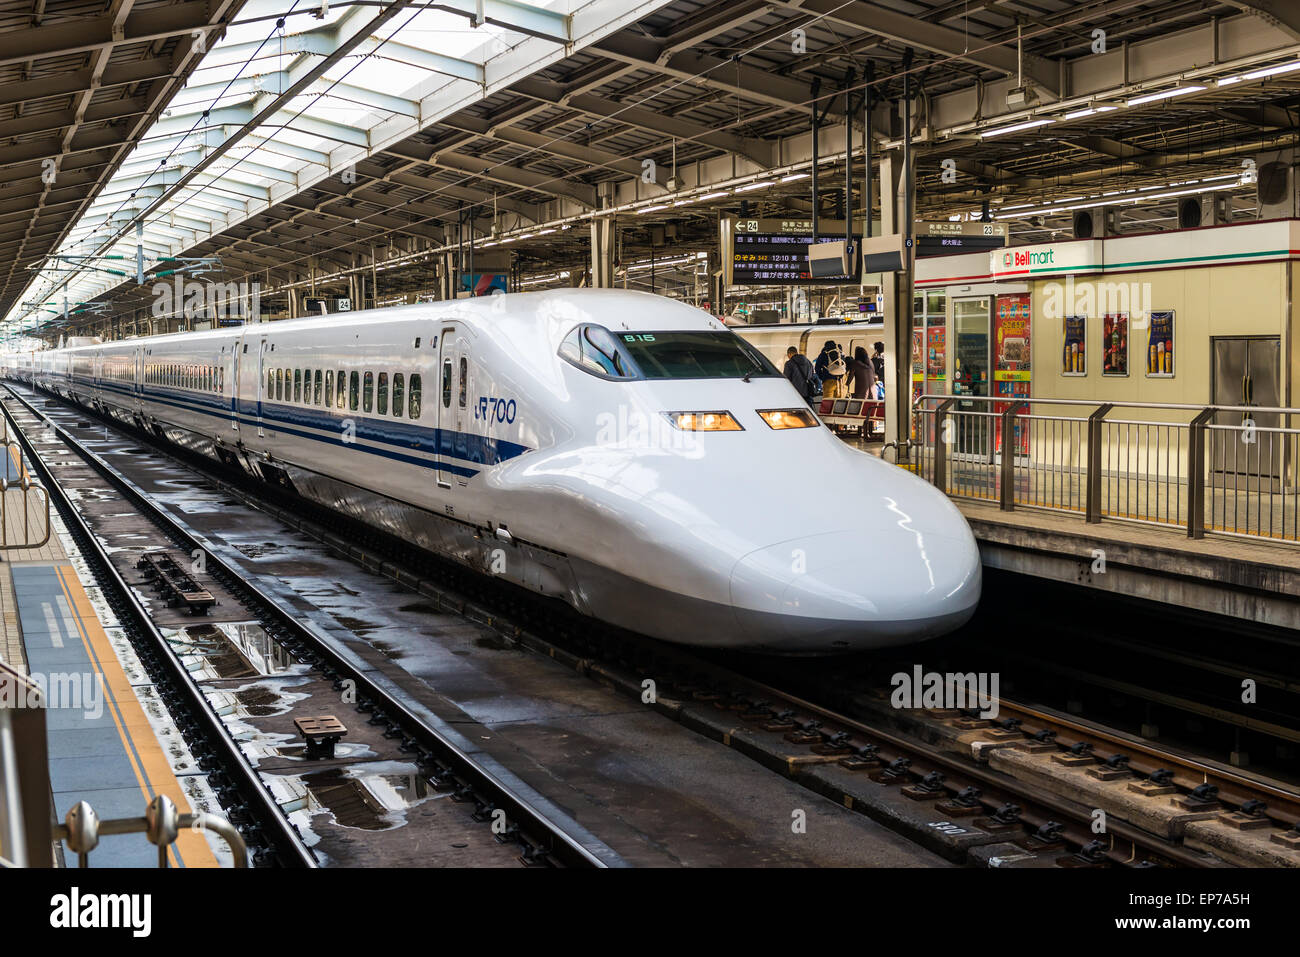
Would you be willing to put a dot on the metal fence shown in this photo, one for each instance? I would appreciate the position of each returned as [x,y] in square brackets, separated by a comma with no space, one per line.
[1231,470]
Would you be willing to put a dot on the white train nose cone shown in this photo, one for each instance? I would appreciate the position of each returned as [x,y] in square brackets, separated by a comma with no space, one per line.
[843,590]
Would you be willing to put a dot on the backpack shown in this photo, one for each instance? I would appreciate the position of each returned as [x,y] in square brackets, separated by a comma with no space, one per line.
[835,364]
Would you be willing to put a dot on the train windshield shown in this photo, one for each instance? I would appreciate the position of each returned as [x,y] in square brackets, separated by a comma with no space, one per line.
[694,355]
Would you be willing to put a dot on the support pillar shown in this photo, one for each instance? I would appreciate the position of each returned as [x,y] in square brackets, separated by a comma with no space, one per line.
[898,307]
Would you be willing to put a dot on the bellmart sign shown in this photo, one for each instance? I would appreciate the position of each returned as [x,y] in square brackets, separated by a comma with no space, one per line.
[1047,258]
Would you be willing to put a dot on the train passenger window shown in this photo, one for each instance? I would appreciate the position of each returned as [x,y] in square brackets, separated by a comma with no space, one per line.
[317,387]
[270,384]
[354,391]
[446,383]
[464,379]
[329,387]
[398,390]
[368,392]
[297,385]
[415,396]
[279,384]
[341,397]
[381,399]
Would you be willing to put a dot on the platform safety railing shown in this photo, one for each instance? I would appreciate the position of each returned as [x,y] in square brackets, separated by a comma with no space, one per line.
[24,504]
[1230,470]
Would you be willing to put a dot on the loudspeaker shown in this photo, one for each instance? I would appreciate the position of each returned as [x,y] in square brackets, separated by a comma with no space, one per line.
[1275,185]
[1189,213]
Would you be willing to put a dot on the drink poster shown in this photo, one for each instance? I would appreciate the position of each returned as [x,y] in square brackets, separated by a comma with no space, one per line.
[936,353]
[1160,346]
[1114,344]
[1074,361]
[1011,363]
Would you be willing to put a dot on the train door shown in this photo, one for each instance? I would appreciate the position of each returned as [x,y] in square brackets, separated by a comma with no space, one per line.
[236,364]
[451,401]
[261,384]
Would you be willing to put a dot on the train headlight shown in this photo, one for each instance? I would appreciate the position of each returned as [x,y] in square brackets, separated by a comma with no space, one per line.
[788,418]
[703,422]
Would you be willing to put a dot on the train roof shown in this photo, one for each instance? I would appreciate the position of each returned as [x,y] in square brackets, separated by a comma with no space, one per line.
[562,308]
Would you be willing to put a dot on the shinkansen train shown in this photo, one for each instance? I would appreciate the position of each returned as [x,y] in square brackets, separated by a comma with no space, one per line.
[619,451]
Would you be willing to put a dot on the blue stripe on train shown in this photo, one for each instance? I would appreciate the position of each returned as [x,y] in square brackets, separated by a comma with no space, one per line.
[479,449]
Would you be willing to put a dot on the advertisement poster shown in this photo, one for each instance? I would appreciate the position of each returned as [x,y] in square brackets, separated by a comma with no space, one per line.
[1114,344]
[1160,346]
[936,353]
[1073,359]
[1011,372]
[918,364]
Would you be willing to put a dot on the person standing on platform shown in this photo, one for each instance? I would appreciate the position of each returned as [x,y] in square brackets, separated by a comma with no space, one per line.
[801,374]
[862,375]
[878,361]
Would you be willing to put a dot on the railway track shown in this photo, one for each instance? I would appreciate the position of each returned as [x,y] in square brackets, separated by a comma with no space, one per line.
[504,811]
[1029,816]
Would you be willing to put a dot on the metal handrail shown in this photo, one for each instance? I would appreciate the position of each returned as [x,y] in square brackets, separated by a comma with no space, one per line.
[1117,403]
[1163,471]
[81,829]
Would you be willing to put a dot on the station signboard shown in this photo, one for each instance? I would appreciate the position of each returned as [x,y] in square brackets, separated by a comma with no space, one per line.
[774,252]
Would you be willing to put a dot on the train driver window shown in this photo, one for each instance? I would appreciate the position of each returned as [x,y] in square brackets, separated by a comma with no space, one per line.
[446,383]
[329,387]
[464,380]
[368,392]
[354,391]
[594,349]
[297,385]
[398,383]
[415,396]
[381,398]
[341,397]
[317,387]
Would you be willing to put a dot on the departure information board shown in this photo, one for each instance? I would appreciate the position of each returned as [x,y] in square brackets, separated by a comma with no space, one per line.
[774,252]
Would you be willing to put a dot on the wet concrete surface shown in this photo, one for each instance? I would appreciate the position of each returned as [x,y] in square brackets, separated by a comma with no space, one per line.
[654,791]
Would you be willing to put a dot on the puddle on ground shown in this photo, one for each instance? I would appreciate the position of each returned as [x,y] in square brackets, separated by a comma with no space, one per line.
[256,551]
[230,650]
[371,797]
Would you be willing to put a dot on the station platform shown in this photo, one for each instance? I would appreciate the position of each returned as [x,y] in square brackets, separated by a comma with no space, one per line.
[1253,580]
[103,722]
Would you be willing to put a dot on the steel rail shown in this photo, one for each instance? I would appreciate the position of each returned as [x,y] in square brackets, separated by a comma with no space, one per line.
[280,831]
[541,827]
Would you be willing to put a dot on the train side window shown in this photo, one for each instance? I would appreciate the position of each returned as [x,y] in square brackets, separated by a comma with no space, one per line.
[341,396]
[270,383]
[446,383]
[398,390]
[381,397]
[297,385]
[414,396]
[329,387]
[317,387]
[368,392]
[464,380]
[354,391]
[279,385]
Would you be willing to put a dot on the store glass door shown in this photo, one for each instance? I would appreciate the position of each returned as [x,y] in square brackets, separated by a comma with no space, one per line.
[970,375]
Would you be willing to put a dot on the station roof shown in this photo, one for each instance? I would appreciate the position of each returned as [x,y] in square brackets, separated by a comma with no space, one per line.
[313,138]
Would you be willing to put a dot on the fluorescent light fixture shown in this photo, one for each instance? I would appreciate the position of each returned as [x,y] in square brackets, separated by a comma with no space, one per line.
[1015,128]
[1228,80]
[717,195]
[1272,71]
[1165,94]
[543,232]
[748,186]
[1077,114]
[650,209]
[794,176]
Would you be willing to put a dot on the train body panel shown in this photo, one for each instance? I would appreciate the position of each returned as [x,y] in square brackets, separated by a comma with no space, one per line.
[497,433]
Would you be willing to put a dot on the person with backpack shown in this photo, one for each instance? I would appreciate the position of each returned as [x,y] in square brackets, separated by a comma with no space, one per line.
[831,368]
[802,375]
